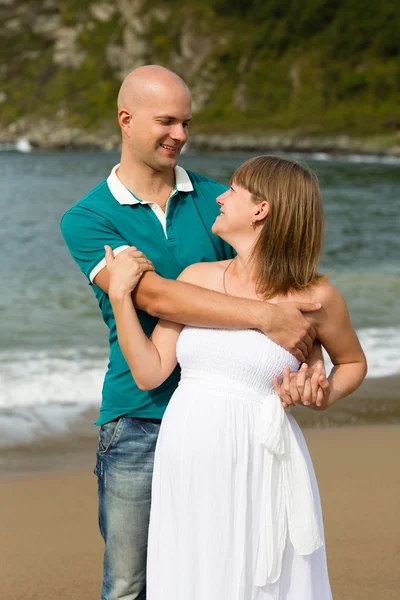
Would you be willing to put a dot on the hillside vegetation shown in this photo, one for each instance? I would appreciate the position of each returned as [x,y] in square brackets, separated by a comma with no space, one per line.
[308,66]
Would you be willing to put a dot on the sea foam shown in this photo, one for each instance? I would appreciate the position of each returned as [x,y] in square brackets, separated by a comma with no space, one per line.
[32,378]
[44,394]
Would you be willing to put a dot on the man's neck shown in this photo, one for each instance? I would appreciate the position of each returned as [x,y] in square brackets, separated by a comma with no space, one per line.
[143,181]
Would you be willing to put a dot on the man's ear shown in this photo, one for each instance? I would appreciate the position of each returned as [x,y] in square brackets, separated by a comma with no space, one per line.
[124,120]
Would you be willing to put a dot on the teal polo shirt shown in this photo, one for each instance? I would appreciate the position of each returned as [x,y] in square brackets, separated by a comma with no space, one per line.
[111,214]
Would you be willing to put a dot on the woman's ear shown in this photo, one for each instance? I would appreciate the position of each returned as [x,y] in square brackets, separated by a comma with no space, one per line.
[262,212]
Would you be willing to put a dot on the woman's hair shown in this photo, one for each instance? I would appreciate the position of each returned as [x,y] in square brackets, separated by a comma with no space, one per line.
[288,248]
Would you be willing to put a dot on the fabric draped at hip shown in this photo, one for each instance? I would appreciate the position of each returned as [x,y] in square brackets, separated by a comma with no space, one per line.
[287,505]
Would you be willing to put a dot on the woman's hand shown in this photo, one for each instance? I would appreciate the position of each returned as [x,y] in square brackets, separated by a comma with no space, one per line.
[125,270]
[305,389]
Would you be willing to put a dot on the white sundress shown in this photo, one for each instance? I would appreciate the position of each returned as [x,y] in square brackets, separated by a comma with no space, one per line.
[235,511]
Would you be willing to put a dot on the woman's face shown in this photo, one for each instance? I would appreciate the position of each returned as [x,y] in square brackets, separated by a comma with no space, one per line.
[237,209]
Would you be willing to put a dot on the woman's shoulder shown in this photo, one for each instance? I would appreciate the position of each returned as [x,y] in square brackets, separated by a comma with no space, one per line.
[326,293]
[205,274]
[333,305]
[320,292]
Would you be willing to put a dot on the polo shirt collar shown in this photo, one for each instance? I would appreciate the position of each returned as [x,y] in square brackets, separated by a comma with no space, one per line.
[124,196]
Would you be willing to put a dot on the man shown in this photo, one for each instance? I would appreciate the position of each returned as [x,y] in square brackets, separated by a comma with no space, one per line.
[151,203]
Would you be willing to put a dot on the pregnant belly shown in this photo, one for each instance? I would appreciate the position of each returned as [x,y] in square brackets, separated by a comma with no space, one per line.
[207,422]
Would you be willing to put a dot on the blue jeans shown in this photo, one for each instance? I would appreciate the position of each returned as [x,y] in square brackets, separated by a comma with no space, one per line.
[124,469]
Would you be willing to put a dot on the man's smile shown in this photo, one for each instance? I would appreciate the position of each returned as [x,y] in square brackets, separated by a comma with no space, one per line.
[169,148]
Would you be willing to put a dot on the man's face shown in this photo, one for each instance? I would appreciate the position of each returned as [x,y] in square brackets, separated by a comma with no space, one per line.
[159,127]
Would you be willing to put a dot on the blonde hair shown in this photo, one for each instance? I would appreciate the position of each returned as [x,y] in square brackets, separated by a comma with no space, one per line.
[287,251]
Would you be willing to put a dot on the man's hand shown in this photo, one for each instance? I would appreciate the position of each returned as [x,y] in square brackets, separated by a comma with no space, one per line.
[125,270]
[290,328]
[306,387]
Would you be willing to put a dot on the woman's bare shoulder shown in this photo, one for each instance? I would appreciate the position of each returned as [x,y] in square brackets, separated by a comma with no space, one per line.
[333,305]
[320,292]
[326,293]
[205,274]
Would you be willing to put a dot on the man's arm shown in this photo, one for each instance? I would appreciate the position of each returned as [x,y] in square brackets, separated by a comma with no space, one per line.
[189,304]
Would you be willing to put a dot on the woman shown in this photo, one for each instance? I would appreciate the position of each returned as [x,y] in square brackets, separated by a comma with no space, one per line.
[235,506]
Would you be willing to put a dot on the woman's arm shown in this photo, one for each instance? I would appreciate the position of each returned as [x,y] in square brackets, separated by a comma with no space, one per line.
[337,335]
[152,360]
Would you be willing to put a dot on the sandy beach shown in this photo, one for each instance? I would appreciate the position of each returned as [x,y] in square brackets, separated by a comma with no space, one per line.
[51,548]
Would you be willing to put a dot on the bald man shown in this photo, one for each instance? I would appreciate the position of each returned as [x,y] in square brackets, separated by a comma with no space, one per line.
[166,212]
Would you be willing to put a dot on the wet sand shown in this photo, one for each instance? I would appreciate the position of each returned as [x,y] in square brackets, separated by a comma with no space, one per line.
[51,549]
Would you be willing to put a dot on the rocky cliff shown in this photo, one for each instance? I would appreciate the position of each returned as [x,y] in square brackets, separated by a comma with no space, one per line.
[258,69]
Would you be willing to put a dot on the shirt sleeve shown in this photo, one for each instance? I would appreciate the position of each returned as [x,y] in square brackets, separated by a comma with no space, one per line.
[85,234]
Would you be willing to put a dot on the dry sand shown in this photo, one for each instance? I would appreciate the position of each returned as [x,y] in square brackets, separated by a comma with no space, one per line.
[50,548]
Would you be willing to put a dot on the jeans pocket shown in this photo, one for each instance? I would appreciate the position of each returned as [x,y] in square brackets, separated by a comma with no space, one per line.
[148,427]
[108,435]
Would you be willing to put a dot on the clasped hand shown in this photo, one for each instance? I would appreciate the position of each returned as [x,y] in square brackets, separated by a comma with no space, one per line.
[306,387]
[125,269]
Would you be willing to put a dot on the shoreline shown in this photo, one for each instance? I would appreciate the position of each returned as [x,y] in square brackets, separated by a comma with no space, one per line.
[332,145]
[375,404]
[43,136]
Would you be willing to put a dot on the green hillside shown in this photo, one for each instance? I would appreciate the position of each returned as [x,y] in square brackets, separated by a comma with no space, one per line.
[308,66]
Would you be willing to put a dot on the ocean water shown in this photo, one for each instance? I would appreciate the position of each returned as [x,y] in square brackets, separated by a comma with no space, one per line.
[53,343]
